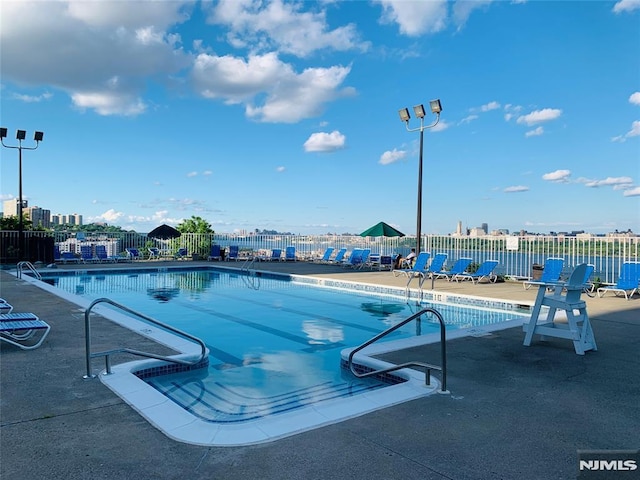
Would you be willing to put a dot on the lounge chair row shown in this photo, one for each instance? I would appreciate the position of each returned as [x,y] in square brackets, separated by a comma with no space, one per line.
[422,269]
[358,258]
[233,254]
[627,285]
[88,255]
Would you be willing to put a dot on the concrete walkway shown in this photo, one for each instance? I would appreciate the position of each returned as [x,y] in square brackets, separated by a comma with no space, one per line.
[514,412]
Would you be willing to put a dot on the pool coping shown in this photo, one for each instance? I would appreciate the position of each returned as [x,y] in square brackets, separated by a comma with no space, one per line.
[180,425]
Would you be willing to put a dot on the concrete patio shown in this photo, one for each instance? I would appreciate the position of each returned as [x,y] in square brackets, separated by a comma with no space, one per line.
[514,412]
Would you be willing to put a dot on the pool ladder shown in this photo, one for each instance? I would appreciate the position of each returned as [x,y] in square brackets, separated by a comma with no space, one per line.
[427,367]
[248,265]
[29,266]
[107,354]
[252,278]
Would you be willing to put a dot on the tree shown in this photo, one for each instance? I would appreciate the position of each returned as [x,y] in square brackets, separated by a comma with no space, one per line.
[198,225]
[194,225]
[9,223]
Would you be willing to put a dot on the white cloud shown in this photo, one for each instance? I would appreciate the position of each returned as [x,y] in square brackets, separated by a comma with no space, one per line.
[282,26]
[560,176]
[32,98]
[415,18]
[325,142]
[535,132]
[490,106]
[516,189]
[615,182]
[626,6]
[280,169]
[635,98]
[632,192]
[468,119]
[634,132]
[109,103]
[462,10]
[110,216]
[192,174]
[539,116]
[441,126]
[81,47]
[391,156]
[288,96]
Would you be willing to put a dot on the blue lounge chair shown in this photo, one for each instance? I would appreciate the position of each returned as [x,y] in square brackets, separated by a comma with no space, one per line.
[550,273]
[133,254]
[435,267]
[354,259]
[276,255]
[587,284]
[86,254]
[627,283]
[361,259]
[485,270]
[19,328]
[215,253]
[418,267]
[386,262]
[181,254]
[290,254]
[327,255]
[102,256]
[154,252]
[459,267]
[234,253]
[339,258]
[5,307]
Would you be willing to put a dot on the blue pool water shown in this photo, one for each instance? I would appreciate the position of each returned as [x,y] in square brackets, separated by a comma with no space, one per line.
[274,344]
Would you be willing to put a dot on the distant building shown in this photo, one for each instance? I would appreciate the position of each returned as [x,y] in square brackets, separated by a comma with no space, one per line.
[39,217]
[477,232]
[10,207]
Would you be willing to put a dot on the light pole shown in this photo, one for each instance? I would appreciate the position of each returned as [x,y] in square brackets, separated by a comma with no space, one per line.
[20,136]
[436,108]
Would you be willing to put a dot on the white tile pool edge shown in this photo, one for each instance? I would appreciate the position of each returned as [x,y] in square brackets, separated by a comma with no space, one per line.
[180,425]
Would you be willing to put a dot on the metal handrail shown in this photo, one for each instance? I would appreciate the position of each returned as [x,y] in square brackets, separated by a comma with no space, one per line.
[107,354]
[248,264]
[30,266]
[428,367]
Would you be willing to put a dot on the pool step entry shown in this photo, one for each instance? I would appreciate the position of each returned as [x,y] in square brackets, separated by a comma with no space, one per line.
[107,354]
[214,402]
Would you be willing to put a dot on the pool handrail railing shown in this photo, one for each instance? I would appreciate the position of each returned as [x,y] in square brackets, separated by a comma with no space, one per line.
[427,367]
[107,354]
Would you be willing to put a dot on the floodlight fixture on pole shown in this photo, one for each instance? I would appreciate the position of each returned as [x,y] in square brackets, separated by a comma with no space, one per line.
[20,136]
[436,108]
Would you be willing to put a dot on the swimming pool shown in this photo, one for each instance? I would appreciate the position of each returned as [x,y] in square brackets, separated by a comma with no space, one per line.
[275,348]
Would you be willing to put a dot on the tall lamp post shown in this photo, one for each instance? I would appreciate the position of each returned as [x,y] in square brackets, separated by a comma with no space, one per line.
[436,108]
[20,136]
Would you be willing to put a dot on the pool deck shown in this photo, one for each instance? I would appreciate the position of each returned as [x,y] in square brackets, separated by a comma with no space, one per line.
[513,412]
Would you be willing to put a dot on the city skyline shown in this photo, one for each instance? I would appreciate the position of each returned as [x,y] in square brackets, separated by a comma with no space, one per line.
[46,219]
[283,115]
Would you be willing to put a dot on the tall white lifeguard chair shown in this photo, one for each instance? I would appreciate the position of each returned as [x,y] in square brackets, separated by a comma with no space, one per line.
[566,297]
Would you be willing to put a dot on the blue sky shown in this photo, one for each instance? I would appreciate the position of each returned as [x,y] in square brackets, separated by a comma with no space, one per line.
[284,115]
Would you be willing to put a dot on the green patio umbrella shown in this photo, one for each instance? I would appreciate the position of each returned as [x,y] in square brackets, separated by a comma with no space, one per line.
[382,230]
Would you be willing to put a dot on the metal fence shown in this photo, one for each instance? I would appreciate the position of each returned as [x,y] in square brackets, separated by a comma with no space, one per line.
[516,255]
